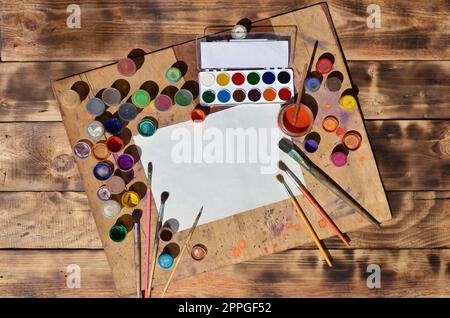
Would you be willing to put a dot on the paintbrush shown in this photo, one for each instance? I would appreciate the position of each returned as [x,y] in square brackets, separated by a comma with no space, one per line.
[188,238]
[295,153]
[312,201]
[136,215]
[164,197]
[304,219]
[300,92]
[148,226]
[302,82]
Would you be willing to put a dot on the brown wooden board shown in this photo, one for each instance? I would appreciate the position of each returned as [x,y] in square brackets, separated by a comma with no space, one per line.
[263,230]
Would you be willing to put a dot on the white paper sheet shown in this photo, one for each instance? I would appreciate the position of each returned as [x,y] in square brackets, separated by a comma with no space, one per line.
[222,188]
[244,54]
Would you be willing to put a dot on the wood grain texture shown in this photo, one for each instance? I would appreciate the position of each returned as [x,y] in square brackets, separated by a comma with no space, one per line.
[51,220]
[412,155]
[46,220]
[404,273]
[26,92]
[37,30]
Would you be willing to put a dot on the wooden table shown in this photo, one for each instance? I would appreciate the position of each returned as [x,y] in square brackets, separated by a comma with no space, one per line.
[402,71]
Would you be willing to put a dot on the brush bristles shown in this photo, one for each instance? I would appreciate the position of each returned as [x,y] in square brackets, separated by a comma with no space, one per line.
[285,145]
[280,178]
[282,165]
[150,168]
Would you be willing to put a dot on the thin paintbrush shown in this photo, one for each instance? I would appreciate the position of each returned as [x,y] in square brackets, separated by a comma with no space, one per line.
[136,215]
[312,201]
[295,153]
[304,219]
[180,256]
[305,73]
[164,197]
[148,226]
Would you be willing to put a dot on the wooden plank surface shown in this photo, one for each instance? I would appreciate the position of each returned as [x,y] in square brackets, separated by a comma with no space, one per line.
[416,96]
[295,273]
[48,220]
[412,155]
[37,30]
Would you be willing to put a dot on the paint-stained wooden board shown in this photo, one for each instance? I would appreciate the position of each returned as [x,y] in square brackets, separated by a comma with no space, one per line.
[404,273]
[48,220]
[262,230]
[37,30]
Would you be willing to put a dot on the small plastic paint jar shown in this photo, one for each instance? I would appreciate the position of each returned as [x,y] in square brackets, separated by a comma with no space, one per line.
[339,158]
[183,97]
[103,193]
[198,115]
[207,79]
[198,252]
[111,209]
[95,106]
[324,65]
[347,102]
[100,151]
[239,32]
[165,261]
[115,185]
[166,234]
[352,140]
[295,127]
[95,130]
[69,99]
[330,123]
[82,149]
[126,67]
[125,162]
[114,144]
[111,96]
[113,126]
[147,127]
[127,112]
[310,145]
[312,84]
[102,171]
[141,98]
[173,74]
[118,233]
[130,199]
[163,103]
[333,83]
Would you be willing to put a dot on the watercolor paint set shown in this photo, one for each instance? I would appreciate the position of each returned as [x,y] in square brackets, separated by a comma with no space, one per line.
[237,68]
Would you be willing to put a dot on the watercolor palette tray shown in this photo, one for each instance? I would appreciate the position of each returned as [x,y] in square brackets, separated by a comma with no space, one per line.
[241,87]
[247,235]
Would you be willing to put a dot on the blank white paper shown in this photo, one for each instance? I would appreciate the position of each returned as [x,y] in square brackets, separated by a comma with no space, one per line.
[244,54]
[222,188]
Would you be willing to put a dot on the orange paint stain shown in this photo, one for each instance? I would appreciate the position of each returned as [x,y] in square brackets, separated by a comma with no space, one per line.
[322,223]
[235,252]
[287,225]
[327,105]
[340,131]
[265,249]
[362,158]
[297,227]
[264,232]
[274,245]
[242,244]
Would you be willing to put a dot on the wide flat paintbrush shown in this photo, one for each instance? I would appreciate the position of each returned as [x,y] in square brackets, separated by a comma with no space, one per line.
[180,256]
[164,197]
[312,201]
[295,153]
